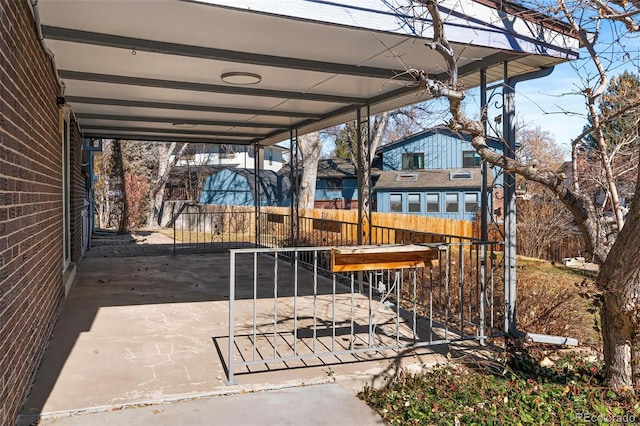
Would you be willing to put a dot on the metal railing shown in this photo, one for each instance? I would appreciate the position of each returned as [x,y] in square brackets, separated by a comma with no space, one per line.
[287,306]
[202,231]
[198,228]
[276,231]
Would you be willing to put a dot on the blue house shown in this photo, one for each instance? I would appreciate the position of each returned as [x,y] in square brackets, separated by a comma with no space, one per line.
[435,173]
[336,183]
[237,187]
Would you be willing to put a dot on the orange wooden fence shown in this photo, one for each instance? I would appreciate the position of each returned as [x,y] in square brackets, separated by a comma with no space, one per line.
[460,228]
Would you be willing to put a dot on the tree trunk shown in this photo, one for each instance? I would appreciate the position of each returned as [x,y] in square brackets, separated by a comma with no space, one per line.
[619,278]
[166,163]
[117,176]
[309,147]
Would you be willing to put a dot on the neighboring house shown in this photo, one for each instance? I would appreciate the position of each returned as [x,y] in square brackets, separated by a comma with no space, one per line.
[232,156]
[446,193]
[237,187]
[336,184]
[435,173]
[185,182]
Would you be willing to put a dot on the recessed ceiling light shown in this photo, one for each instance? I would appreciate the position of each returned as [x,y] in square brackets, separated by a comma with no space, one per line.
[184,125]
[241,78]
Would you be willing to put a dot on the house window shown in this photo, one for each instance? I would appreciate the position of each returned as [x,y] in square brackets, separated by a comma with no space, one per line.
[395,203]
[413,161]
[414,203]
[334,184]
[451,203]
[433,203]
[470,159]
[470,202]
[407,177]
[460,175]
[270,156]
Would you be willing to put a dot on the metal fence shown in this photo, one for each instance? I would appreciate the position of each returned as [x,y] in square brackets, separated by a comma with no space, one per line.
[196,230]
[287,306]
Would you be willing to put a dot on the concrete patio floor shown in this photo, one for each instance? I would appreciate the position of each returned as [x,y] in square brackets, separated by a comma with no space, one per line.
[139,331]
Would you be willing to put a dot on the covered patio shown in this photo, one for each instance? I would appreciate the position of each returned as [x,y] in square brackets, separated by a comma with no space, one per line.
[145,330]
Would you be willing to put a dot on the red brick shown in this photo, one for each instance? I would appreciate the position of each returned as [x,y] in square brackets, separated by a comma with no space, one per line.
[31,288]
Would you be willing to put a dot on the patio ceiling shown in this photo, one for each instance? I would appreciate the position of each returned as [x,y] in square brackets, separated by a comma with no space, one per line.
[152,70]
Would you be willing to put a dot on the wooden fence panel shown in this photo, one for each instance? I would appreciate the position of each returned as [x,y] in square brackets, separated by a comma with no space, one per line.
[392,221]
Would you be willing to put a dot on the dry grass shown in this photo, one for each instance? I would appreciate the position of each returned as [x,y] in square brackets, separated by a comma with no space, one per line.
[548,301]
[191,237]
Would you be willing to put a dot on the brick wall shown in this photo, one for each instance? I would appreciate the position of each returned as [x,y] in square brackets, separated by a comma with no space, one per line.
[31,288]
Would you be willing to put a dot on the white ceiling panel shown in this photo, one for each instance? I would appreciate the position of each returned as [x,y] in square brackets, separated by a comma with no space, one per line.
[108,60]
[170,115]
[133,92]
[132,64]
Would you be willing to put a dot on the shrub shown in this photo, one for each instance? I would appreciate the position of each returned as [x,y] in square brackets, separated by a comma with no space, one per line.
[521,392]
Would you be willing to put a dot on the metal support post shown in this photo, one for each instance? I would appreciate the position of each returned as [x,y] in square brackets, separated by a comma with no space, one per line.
[364,181]
[509,151]
[364,176]
[484,201]
[257,186]
[295,177]
[232,296]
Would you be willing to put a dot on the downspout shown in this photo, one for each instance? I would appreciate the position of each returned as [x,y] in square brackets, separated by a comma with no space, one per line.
[33,6]
[509,133]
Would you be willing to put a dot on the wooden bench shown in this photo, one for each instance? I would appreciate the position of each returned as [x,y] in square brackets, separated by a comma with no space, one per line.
[376,257]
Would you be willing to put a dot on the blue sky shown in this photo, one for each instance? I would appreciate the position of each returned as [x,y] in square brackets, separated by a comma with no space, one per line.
[555,103]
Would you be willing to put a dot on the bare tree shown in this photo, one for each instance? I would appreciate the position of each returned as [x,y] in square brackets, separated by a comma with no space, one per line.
[543,222]
[615,248]
[309,147]
[102,189]
[116,176]
[168,157]
[385,127]
[542,219]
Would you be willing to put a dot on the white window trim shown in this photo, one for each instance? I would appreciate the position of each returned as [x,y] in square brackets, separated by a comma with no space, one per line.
[399,194]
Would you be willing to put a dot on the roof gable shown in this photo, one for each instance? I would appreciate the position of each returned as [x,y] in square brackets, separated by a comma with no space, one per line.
[438,130]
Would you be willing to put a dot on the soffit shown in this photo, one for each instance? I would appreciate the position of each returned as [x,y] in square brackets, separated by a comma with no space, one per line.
[135,68]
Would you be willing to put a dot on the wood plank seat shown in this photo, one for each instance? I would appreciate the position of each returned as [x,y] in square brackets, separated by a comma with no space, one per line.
[388,256]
